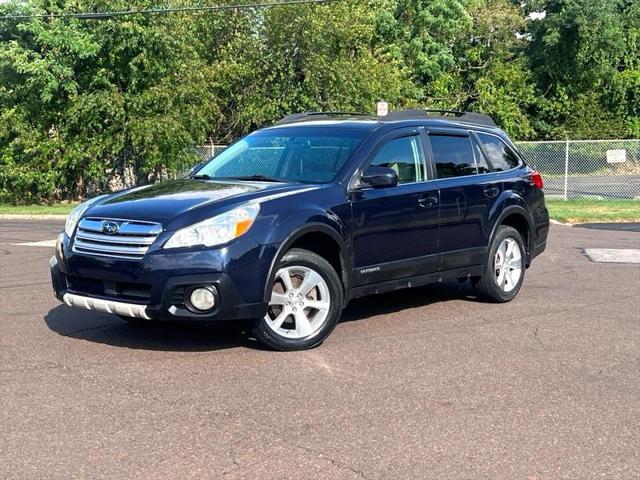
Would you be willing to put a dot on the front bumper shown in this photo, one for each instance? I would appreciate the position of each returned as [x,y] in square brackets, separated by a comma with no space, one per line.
[154,287]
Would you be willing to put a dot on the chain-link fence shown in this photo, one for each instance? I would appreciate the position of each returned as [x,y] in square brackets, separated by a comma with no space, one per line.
[205,152]
[123,172]
[601,169]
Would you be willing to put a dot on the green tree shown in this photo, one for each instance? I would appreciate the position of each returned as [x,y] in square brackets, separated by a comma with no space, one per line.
[464,54]
[494,72]
[300,58]
[82,102]
[424,34]
[84,99]
[584,55]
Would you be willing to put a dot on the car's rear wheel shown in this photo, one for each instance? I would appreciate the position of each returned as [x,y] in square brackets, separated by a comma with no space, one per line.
[305,303]
[505,268]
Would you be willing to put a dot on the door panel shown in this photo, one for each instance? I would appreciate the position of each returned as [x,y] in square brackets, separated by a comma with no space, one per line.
[464,220]
[466,198]
[395,230]
[394,235]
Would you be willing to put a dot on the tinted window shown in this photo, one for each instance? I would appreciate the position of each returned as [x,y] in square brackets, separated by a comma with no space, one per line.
[453,156]
[403,156]
[300,154]
[502,157]
[481,162]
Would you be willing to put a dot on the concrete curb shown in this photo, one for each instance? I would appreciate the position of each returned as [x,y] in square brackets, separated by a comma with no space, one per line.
[26,216]
[557,222]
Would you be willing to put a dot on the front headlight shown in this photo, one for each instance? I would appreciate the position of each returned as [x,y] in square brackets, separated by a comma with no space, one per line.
[217,230]
[76,213]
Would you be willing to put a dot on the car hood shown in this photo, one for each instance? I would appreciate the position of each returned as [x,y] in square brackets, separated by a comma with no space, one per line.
[164,202]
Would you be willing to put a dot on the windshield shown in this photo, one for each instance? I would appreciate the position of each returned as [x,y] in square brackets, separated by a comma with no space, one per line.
[310,155]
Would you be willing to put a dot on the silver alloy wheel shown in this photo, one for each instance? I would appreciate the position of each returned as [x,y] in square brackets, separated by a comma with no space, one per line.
[299,304]
[508,264]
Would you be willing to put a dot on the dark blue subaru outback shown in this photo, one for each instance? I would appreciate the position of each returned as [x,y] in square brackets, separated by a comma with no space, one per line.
[289,223]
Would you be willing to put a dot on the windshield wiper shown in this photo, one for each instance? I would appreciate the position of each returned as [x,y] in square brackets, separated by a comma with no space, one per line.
[261,178]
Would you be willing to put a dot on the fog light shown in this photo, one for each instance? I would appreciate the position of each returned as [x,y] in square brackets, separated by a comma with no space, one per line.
[202,298]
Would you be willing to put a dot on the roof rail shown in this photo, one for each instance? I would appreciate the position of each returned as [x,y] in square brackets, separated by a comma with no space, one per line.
[304,116]
[466,117]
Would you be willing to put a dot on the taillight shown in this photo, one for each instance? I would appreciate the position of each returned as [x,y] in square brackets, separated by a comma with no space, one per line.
[536,179]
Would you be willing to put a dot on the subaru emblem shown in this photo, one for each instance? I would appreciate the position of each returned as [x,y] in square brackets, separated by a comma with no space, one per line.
[109,227]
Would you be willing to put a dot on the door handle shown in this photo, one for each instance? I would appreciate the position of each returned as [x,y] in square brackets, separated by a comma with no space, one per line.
[491,191]
[428,201]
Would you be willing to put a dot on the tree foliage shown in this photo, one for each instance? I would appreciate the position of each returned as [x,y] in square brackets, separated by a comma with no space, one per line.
[585,58]
[84,101]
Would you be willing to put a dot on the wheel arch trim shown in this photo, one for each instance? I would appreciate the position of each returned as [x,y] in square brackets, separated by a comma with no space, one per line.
[298,233]
[519,210]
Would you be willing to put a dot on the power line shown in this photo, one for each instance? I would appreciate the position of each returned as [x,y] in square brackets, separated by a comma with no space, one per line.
[160,11]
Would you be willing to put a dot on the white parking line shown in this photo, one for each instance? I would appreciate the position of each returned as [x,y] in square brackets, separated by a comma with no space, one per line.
[613,255]
[43,243]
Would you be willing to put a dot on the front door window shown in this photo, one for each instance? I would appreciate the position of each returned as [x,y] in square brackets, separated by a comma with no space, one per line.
[403,156]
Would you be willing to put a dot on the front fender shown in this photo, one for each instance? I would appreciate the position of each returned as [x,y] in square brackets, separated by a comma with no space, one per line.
[287,230]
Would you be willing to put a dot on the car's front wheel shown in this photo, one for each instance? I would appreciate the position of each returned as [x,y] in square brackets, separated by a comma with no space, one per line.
[305,303]
[504,271]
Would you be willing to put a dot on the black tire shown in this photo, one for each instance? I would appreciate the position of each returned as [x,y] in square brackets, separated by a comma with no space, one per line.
[487,285]
[304,258]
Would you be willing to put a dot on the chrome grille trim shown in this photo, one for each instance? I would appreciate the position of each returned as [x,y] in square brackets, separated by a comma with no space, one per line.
[132,241]
[119,239]
[127,227]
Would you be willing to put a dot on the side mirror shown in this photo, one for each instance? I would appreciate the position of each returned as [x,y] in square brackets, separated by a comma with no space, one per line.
[195,168]
[380,177]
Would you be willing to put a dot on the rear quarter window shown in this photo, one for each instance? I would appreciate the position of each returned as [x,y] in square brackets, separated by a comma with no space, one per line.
[500,155]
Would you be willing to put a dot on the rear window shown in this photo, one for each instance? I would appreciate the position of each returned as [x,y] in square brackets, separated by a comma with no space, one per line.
[500,155]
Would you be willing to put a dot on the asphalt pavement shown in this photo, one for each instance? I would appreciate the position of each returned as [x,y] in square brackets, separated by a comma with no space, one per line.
[594,185]
[418,384]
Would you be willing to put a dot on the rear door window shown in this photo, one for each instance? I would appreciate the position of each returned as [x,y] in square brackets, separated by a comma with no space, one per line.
[500,155]
[453,155]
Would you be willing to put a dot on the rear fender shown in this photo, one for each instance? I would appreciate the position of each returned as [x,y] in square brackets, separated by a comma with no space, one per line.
[515,204]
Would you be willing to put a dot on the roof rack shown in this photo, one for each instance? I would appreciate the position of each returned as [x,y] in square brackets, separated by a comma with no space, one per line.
[304,116]
[466,117]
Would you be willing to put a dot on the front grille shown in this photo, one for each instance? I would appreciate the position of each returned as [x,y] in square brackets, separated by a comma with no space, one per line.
[109,288]
[131,240]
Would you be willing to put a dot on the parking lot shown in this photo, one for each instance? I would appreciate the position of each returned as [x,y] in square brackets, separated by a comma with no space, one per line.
[424,383]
